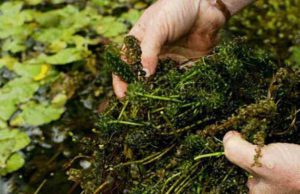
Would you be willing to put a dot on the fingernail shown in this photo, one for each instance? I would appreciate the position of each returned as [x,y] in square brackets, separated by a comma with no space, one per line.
[229,135]
[147,72]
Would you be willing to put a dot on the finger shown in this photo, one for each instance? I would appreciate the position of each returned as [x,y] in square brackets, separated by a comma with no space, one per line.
[138,31]
[151,46]
[241,153]
[252,181]
[120,87]
[262,187]
[140,26]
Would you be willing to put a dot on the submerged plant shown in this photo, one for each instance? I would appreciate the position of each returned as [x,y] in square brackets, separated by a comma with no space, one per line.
[165,136]
[274,24]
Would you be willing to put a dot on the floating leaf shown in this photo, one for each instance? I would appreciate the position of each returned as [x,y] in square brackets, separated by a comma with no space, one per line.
[15,162]
[8,61]
[43,72]
[13,93]
[59,100]
[11,142]
[14,45]
[11,8]
[111,27]
[132,16]
[57,46]
[5,150]
[65,56]
[33,2]
[3,125]
[49,35]
[55,18]
[34,114]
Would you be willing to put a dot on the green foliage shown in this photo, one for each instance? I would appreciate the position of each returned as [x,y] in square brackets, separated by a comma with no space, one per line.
[52,53]
[134,70]
[11,142]
[37,38]
[34,114]
[165,136]
[274,23]
[296,56]
[15,92]
[118,66]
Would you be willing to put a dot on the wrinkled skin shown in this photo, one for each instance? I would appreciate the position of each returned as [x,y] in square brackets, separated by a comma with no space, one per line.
[179,29]
[280,170]
[188,29]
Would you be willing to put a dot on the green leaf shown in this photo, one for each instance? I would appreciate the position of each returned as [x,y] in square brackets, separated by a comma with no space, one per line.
[11,8]
[37,114]
[8,61]
[36,71]
[296,54]
[102,3]
[14,45]
[15,162]
[49,35]
[12,21]
[132,16]
[111,27]
[33,2]
[11,141]
[13,93]
[21,141]
[5,151]
[56,18]
[3,125]
[59,100]
[65,56]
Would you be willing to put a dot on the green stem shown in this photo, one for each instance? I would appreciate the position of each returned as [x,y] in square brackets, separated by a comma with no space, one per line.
[40,187]
[169,180]
[186,78]
[183,177]
[158,97]
[178,131]
[123,109]
[126,123]
[216,154]
[145,161]
[158,110]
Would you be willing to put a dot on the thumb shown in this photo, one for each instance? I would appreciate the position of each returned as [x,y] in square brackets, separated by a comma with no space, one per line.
[239,151]
[151,46]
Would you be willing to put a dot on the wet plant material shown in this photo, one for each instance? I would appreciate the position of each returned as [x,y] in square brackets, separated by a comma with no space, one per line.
[274,24]
[166,135]
[129,68]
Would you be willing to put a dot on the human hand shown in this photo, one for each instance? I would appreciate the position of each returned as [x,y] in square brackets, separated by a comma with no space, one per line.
[180,29]
[280,170]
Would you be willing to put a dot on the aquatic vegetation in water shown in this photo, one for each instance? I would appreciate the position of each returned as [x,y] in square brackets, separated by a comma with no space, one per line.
[165,136]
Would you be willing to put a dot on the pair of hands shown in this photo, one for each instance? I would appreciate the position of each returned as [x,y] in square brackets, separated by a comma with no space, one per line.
[185,29]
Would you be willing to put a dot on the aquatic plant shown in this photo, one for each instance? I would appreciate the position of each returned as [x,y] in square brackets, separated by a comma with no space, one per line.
[165,136]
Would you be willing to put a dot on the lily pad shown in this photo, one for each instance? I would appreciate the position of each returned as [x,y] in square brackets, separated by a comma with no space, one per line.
[111,27]
[34,114]
[11,141]
[15,162]
[65,56]
[13,93]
